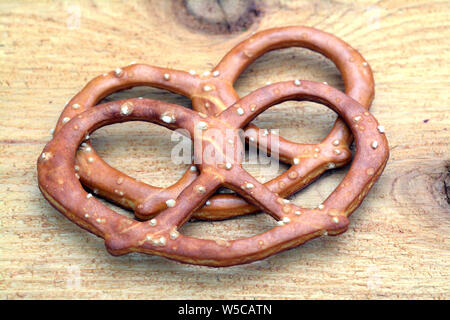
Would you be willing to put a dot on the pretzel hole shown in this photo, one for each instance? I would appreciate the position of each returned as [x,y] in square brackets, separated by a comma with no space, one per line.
[241,227]
[303,122]
[115,207]
[296,63]
[266,172]
[224,190]
[141,150]
[298,121]
[149,93]
[315,193]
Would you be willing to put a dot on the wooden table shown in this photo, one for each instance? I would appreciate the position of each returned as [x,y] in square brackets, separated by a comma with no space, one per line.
[397,245]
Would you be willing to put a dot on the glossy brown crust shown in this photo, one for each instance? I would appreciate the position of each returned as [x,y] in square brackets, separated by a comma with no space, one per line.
[211,94]
[159,236]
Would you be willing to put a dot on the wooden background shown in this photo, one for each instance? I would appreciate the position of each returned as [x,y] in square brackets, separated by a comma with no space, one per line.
[398,242]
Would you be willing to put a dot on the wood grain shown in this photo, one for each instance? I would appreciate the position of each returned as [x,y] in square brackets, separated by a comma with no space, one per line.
[398,242]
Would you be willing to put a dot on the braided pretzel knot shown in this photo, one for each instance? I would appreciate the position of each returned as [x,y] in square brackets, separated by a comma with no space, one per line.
[211,93]
[159,236]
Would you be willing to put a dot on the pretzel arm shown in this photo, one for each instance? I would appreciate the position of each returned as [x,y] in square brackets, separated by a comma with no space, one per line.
[255,192]
[282,149]
[190,199]
[93,171]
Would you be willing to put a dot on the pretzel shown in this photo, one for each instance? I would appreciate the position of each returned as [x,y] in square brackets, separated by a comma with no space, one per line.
[160,235]
[211,93]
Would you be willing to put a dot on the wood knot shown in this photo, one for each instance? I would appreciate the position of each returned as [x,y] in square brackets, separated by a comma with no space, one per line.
[447,183]
[219,16]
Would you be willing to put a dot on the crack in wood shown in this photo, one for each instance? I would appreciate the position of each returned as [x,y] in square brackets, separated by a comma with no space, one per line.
[447,183]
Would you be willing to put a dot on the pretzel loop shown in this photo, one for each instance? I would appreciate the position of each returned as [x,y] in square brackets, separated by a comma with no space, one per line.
[359,85]
[160,236]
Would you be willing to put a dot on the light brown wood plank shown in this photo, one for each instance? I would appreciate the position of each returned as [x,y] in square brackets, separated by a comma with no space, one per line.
[398,242]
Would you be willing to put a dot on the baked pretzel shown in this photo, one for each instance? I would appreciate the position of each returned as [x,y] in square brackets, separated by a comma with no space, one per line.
[160,235]
[211,93]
